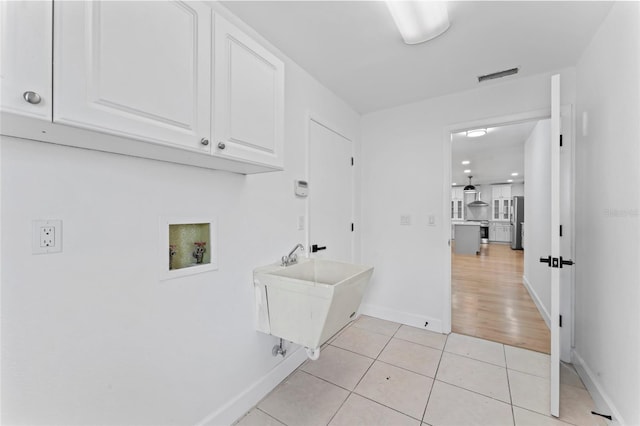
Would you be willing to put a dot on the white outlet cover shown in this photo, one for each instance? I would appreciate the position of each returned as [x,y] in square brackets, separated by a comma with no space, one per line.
[36,232]
[405,220]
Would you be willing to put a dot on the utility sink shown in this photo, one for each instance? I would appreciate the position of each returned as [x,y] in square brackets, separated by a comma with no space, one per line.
[308,302]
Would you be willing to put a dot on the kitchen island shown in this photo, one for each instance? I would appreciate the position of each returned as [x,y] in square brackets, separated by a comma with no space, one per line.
[467,238]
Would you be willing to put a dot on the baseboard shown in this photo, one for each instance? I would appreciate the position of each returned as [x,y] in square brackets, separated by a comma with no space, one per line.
[603,403]
[406,318]
[537,301]
[241,404]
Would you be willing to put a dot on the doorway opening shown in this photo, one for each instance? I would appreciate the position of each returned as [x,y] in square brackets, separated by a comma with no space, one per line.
[488,181]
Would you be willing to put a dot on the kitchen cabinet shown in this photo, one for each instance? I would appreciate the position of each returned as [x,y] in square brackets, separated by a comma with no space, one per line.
[25,58]
[457,203]
[136,69]
[500,232]
[147,79]
[249,98]
[500,202]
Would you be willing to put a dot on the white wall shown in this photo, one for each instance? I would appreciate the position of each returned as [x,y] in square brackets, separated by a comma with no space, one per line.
[607,331]
[90,335]
[404,168]
[517,189]
[537,207]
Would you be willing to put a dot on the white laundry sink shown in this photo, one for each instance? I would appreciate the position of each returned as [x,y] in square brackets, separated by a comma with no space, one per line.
[308,302]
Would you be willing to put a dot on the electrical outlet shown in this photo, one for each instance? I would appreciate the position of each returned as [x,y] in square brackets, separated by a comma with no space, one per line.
[46,236]
[405,220]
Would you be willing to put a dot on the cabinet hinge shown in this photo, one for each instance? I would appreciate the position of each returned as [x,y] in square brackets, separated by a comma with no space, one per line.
[560,140]
[352,161]
[561,230]
[352,227]
[560,320]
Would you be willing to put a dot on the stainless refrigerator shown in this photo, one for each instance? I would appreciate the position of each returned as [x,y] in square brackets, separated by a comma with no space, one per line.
[517,218]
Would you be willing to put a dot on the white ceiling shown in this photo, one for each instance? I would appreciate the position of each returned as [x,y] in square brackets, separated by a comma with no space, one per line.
[493,156]
[354,48]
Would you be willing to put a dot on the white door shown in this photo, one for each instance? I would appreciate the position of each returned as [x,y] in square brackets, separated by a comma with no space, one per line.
[330,193]
[554,259]
[249,98]
[25,58]
[138,69]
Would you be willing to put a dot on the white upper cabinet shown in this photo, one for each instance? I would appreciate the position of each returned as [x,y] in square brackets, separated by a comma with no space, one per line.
[25,58]
[136,69]
[249,98]
[501,202]
[457,203]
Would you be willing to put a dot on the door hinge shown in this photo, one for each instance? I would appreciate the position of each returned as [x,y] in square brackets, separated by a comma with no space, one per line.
[561,230]
[352,227]
[560,320]
[560,140]
[352,161]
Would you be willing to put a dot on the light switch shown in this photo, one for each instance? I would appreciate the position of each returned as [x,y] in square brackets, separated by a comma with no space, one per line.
[432,220]
[405,220]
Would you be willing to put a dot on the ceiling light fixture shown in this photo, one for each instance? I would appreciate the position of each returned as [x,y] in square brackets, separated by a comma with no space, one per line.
[476,133]
[465,162]
[514,174]
[419,21]
[467,171]
[510,180]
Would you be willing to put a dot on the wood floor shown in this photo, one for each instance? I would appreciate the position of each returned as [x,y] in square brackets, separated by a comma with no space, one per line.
[489,300]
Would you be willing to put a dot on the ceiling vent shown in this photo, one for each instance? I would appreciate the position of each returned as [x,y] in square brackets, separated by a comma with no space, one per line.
[498,74]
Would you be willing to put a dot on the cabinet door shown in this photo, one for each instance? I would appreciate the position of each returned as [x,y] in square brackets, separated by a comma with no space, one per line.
[249,98]
[505,209]
[25,57]
[492,232]
[506,191]
[138,69]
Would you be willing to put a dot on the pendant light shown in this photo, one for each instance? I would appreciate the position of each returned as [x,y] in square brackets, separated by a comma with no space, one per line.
[470,187]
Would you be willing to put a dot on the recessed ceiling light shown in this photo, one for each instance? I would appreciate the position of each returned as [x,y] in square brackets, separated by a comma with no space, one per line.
[465,162]
[514,174]
[476,133]
[467,171]
[419,21]
[510,180]
[453,184]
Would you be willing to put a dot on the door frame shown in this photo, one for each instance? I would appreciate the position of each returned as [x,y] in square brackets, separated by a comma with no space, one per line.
[567,110]
[331,126]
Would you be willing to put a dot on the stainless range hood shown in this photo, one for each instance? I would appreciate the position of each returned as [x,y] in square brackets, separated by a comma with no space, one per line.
[477,202]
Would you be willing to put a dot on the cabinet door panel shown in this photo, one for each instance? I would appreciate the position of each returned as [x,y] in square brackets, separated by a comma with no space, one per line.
[249,97]
[25,57]
[137,69]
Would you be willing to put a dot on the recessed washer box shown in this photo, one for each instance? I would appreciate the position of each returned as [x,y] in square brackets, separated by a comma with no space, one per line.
[187,246]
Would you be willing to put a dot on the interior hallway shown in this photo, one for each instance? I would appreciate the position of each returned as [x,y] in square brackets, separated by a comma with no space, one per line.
[378,372]
[489,300]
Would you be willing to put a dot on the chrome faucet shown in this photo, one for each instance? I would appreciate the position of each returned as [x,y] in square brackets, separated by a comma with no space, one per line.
[292,257]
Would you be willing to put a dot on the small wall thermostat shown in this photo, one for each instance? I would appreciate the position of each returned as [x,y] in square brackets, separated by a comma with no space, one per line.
[301,188]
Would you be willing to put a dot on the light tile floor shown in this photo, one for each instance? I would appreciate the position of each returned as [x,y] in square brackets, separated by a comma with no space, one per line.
[376,372]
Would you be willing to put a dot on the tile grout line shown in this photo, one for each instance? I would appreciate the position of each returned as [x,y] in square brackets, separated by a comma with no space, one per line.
[506,370]
[267,414]
[433,383]
[472,391]
[365,373]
